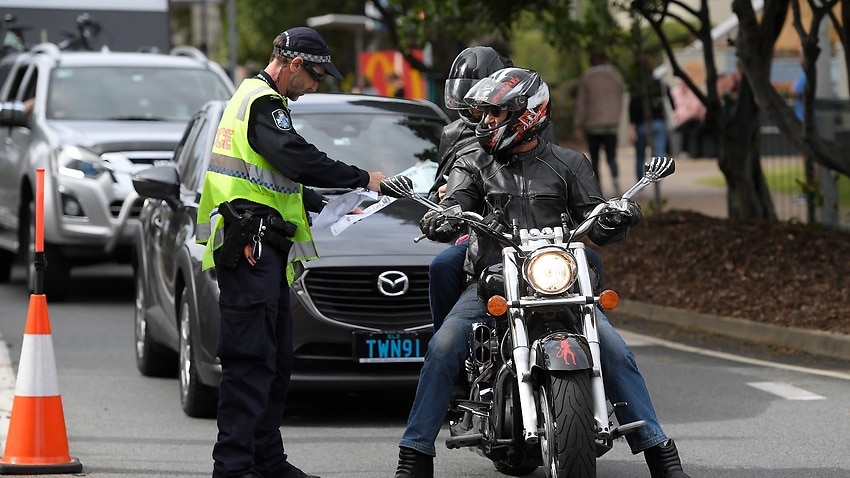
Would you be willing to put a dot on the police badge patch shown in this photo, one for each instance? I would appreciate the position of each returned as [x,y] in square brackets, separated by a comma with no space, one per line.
[281,119]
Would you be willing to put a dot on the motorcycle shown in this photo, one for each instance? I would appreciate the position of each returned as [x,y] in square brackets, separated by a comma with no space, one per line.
[533,374]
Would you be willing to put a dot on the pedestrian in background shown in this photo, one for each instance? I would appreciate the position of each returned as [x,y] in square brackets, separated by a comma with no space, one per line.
[799,88]
[253,203]
[599,104]
[395,85]
[648,91]
[688,118]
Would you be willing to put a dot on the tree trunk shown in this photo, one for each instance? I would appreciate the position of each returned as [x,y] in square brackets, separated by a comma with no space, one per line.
[748,196]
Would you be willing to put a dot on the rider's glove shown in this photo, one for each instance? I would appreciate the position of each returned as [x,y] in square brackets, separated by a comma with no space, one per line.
[623,213]
[437,227]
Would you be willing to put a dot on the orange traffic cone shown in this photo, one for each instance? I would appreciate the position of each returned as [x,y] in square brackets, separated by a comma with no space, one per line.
[37,442]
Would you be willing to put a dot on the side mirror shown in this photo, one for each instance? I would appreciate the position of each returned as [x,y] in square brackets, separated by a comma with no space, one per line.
[159,182]
[658,167]
[13,113]
[397,187]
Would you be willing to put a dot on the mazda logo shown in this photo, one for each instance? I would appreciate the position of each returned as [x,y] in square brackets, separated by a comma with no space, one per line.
[393,283]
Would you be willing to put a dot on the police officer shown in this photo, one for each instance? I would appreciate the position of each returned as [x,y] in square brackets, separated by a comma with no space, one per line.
[253,221]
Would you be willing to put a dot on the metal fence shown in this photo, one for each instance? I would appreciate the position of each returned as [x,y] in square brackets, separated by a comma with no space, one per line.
[803,191]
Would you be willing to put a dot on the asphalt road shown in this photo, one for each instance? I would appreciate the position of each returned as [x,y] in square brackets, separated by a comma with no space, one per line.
[730,417]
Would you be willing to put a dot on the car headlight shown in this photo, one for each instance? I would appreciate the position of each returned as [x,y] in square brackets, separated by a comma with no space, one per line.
[76,162]
[550,270]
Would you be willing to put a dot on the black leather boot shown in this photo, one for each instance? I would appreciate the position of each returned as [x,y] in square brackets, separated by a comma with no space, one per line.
[414,464]
[663,461]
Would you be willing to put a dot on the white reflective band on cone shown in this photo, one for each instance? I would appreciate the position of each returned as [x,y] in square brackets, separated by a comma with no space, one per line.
[37,369]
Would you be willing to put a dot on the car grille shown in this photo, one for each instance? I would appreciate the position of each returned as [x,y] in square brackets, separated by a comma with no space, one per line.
[351,295]
[135,209]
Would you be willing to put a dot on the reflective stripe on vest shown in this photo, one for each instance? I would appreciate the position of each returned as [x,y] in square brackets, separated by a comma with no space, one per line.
[237,171]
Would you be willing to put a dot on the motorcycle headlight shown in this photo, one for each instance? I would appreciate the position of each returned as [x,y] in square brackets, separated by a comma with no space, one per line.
[79,163]
[550,270]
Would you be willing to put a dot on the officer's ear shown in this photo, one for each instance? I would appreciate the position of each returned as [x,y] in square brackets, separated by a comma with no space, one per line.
[295,63]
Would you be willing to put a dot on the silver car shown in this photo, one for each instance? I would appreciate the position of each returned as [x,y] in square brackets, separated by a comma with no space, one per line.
[90,120]
[361,313]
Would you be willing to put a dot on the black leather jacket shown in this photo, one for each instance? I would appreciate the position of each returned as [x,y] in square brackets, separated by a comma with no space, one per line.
[534,188]
[457,139]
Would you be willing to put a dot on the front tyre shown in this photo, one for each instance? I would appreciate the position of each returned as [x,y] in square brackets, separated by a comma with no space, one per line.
[197,399]
[568,439]
[7,260]
[152,359]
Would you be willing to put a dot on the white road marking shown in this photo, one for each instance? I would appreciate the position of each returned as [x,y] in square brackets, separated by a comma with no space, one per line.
[645,340]
[786,391]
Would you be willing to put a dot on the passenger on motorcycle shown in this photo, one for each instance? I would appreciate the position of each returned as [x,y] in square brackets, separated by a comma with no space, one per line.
[532,182]
[446,276]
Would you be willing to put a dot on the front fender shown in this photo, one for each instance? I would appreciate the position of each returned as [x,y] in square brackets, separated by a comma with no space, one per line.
[560,351]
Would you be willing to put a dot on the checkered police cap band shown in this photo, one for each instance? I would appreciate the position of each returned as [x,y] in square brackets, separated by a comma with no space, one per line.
[320,59]
[309,45]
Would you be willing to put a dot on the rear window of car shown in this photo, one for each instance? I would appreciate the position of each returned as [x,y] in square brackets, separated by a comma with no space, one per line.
[131,93]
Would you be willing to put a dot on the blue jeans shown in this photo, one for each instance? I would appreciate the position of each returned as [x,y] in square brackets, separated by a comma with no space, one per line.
[445,281]
[659,143]
[447,351]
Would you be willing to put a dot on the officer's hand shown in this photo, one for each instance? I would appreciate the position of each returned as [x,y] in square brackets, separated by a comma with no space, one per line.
[437,227]
[375,178]
[622,212]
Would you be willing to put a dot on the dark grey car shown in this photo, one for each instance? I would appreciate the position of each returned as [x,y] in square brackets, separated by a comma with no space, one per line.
[361,315]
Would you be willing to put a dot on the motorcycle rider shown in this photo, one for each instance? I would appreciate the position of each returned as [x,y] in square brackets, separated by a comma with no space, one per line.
[446,276]
[532,182]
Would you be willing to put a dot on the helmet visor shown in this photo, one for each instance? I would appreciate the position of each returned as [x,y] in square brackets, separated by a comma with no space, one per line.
[455,90]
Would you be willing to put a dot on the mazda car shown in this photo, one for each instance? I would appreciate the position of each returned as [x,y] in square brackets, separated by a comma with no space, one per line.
[360,311]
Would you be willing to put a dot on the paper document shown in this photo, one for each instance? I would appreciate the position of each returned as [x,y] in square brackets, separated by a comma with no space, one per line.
[335,215]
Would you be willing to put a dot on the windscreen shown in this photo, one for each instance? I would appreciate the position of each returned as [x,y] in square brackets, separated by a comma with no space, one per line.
[131,93]
[391,143]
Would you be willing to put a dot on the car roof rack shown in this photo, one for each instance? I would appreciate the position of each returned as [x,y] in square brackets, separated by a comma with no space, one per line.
[47,48]
[190,51]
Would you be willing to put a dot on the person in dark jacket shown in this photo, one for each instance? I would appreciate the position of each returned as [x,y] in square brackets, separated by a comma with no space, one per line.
[532,182]
[641,125]
[445,272]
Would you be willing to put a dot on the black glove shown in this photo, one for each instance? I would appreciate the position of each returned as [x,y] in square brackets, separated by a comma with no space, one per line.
[626,214]
[437,227]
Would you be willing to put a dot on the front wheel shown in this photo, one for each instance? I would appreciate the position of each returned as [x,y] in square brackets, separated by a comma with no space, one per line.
[197,399]
[568,439]
[7,260]
[152,359]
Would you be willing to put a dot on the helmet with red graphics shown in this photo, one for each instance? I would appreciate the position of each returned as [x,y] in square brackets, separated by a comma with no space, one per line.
[525,97]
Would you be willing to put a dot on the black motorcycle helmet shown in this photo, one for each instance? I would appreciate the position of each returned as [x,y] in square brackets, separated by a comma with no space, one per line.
[469,66]
[524,95]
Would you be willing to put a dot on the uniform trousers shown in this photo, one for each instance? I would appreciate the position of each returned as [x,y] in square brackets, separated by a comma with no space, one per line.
[255,349]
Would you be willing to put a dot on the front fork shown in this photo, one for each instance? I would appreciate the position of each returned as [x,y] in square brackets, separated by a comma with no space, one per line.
[522,351]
